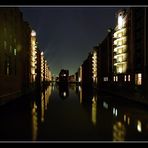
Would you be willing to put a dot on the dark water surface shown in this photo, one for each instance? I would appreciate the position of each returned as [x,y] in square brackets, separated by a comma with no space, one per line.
[71,113]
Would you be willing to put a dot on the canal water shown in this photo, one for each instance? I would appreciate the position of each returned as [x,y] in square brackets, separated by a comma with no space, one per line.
[73,113]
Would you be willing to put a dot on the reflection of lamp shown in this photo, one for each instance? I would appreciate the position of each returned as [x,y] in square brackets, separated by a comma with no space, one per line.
[115,111]
[64,94]
[118,131]
[63,91]
[139,126]
[105,105]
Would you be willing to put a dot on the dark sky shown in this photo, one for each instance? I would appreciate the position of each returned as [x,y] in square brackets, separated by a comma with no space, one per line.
[67,34]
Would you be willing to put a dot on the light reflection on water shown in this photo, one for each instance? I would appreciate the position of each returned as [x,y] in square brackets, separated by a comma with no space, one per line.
[73,113]
[126,125]
[42,107]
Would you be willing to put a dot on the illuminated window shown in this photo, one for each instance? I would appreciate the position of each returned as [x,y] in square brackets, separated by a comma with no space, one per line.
[119,43]
[115,111]
[129,78]
[138,79]
[120,69]
[120,22]
[139,126]
[14,52]
[125,78]
[120,59]
[120,35]
[64,94]
[105,79]
[116,78]
[120,50]
[79,79]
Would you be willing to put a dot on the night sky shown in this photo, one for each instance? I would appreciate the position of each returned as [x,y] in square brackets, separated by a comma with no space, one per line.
[68,34]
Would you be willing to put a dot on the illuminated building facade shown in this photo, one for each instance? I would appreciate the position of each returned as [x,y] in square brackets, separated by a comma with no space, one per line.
[79,75]
[33,58]
[130,48]
[20,58]
[120,61]
[120,44]
[45,73]
[94,67]
[121,49]
[42,66]
[14,44]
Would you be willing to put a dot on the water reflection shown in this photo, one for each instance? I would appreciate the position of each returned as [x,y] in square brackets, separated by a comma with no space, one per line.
[118,131]
[39,106]
[94,109]
[34,121]
[42,107]
[63,91]
[89,115]
[139,126]
[121,121]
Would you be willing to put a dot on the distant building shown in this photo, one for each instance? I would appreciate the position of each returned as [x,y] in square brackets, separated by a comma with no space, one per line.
[63,75]
[72,78]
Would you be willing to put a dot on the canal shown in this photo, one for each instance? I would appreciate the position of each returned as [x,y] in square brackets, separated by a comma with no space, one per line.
[73,113]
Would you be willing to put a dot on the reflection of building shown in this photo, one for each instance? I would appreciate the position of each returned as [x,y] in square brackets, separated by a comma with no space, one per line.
[34,121]
[47,95]
[94,109]
[63,91]
[118,131]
